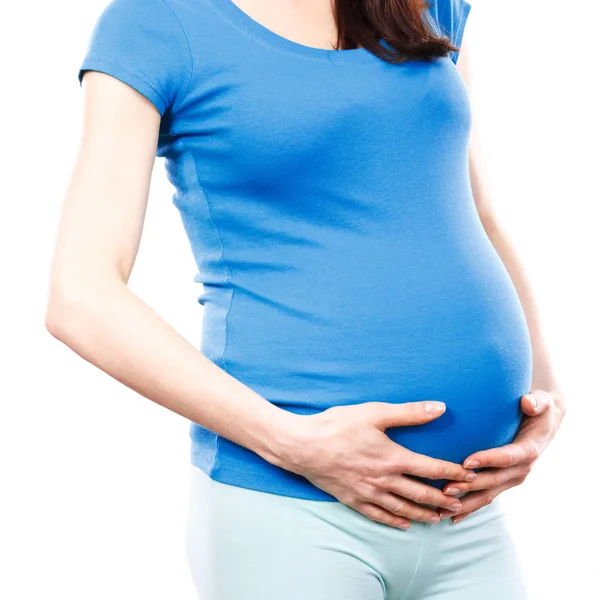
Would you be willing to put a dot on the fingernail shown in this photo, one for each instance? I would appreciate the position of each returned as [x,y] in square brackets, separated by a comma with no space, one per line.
[444,514]
[534,402]
[456,506]
[470,476]
[457,520]
[434,407]
[404,525]
[452,491]
[472,464]
[435,519]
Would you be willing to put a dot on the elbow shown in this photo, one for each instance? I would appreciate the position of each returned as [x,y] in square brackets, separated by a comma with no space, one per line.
[62,303]
[69,308]
[73,307]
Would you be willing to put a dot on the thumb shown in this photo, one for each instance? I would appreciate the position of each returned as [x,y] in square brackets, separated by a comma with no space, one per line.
[389,414]
[534,403]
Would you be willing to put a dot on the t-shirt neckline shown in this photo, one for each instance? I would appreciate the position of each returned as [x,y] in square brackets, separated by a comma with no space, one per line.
[246,24]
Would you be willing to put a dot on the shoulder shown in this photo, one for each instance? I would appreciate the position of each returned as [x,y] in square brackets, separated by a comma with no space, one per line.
[144,43]
[160,13]
[450,17]
[450,14]
[448,7]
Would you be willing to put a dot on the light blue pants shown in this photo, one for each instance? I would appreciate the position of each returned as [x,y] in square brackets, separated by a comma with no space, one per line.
[245,544]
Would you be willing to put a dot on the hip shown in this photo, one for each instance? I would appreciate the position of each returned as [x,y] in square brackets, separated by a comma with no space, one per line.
[248,543]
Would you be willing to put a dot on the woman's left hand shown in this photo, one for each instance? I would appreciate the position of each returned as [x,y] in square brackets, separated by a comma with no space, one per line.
[508,466]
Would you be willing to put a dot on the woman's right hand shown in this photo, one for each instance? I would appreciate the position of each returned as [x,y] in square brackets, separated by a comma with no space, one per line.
[345,451]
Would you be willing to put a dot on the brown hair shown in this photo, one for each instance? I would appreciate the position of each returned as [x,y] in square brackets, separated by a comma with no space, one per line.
[400,23]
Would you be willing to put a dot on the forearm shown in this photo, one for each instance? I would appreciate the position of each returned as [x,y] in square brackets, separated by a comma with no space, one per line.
[114,329]
[543,373]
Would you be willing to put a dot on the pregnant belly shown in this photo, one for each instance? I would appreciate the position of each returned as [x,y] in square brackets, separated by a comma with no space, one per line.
[445,327]
[482,388]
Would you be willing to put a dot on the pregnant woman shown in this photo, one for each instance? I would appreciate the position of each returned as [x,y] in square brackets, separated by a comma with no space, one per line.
[372,369]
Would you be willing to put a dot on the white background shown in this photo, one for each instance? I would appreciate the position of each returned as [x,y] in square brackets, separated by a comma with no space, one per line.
[95,476]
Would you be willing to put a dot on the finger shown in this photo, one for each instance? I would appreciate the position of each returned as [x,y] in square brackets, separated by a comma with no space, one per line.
[402,507]
[487,479]
[421,493]
[422,465]
[475,500]
[390,414]
[523,450]
[459,518]
[484,499]
[536,402]
[380,515]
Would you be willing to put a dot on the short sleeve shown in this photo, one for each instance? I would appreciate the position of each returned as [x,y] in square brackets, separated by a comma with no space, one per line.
[142,43]
[451,16]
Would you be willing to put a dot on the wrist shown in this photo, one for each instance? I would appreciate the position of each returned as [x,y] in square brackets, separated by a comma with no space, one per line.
[283,438]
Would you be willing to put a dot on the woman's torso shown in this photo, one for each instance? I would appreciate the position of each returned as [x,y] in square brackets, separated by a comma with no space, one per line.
[327,201]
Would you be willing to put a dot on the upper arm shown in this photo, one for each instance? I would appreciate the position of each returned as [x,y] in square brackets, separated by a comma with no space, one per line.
[104,207]
[477,173]
[136,67]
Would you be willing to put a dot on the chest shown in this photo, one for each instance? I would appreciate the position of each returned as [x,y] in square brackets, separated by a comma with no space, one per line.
[260,108]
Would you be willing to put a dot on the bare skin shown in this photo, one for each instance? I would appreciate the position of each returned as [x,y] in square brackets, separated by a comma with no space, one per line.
[307,22]
[92,310]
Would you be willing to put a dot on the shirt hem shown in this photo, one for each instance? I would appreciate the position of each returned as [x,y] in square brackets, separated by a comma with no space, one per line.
[126,75]
[257,480]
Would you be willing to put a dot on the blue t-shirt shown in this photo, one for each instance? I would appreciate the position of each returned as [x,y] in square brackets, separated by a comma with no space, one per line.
[327,201]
